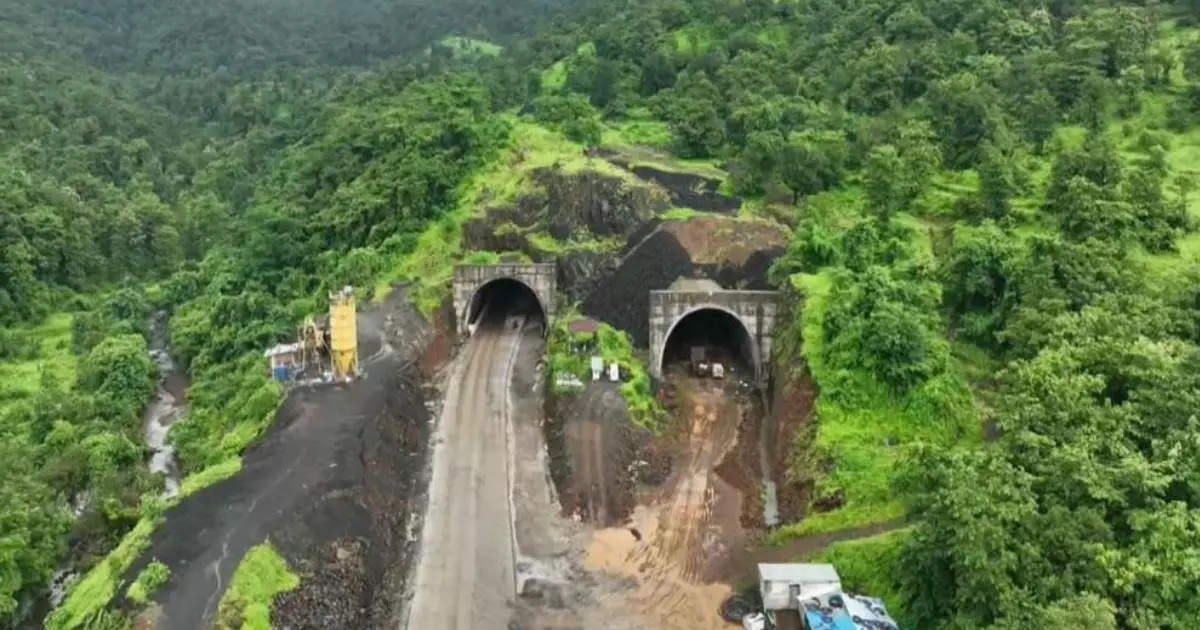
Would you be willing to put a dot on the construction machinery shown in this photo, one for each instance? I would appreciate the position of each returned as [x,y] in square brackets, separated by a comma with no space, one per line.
[343,327]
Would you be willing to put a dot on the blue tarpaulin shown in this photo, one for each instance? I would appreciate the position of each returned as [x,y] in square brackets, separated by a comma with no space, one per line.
[838,611]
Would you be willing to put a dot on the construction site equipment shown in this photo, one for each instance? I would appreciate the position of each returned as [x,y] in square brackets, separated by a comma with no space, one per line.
[283,360]
[314,344]
[343,326]
[784,586]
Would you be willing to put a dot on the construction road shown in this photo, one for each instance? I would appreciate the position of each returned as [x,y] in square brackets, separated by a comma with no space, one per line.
[465,577]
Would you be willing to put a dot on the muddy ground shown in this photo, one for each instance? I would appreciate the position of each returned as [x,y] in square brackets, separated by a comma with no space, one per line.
[599,457]
[333,485]
[677,543]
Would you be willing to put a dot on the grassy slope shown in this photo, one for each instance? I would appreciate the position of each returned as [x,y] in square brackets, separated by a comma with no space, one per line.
[261,575]
[430,267]
[866,566]
[22,379]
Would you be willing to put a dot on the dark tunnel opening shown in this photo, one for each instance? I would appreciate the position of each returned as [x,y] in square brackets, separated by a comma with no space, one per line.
[500,299]
[723,336]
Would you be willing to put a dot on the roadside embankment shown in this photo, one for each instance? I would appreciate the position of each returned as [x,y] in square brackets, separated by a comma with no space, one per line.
[332,485]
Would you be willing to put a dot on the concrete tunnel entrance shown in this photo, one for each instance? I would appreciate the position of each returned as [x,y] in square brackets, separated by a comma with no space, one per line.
[496,301]
[724,336]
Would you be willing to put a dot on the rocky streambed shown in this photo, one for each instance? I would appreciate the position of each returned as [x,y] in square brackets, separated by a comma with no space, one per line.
[168,405]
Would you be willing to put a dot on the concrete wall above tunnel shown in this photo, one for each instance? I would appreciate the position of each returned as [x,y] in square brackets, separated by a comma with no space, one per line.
[540,278]
[754,309]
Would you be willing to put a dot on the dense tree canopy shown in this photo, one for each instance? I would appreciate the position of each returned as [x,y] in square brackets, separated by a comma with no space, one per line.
[967,178]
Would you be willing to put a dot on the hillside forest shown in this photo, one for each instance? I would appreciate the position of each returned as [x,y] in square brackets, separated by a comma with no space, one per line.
[992,206]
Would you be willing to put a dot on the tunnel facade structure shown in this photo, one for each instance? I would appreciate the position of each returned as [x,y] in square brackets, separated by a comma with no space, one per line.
[470,280]
[754,310]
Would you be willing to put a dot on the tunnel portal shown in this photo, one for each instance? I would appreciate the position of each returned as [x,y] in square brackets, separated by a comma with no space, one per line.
[722,335]
[679,315]
[527,287]
[504,297]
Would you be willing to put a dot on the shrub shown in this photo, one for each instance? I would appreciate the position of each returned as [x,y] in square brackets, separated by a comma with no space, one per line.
[19,346]
[149,580]
[261,575]
[119,369]
[884,322]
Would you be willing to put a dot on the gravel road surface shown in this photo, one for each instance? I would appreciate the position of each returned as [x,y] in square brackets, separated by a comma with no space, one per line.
[465,578]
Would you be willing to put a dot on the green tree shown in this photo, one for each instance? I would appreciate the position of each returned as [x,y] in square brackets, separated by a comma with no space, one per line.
[692,114]
[963,115]
[878,79]
[35,527]
[120,369]
[810,163]
[882,178]
[999,181]
[1041,116]
[978,276]
[882,322]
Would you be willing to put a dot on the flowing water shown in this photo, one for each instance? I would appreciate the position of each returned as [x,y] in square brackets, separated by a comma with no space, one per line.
[169,404]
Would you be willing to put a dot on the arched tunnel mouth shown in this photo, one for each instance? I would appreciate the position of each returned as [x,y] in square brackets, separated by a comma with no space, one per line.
[497,301]
[722,335]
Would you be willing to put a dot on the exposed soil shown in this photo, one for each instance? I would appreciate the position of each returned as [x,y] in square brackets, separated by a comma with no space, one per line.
[582,206]
[691,191]
[798,549]
[741,467]
[566,205]
[598,457]
[790,419]
[682,537]
[728,242]
[332,485]
[623,298]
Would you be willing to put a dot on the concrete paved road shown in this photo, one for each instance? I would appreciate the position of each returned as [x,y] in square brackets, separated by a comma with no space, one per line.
[465,576]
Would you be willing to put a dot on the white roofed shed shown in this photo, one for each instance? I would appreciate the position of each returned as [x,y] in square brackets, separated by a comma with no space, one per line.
[784,586]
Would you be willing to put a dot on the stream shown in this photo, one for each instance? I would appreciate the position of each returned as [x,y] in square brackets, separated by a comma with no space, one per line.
[168,405]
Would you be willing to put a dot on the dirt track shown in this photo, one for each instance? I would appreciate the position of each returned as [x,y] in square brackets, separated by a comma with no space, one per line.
[465,577]
[690,524]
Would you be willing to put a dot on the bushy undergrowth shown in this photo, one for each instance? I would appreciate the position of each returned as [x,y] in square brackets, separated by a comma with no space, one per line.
[89,597]
[572,356]
[147,582]
[261,575]
[867,566]
[864,424]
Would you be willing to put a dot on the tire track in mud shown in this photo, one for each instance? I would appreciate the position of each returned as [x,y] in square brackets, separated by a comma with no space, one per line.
[669,560]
